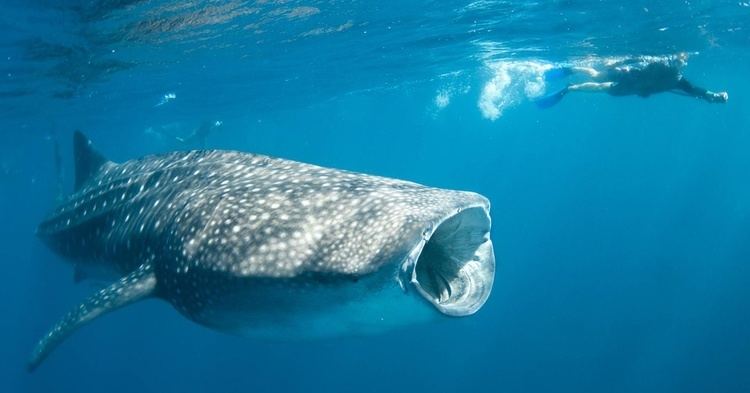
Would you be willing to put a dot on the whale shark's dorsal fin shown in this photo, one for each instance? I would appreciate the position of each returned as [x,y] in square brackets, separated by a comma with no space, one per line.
[88,161]
[136,286]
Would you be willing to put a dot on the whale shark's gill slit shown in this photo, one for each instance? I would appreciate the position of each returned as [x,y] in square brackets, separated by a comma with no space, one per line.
[456,267]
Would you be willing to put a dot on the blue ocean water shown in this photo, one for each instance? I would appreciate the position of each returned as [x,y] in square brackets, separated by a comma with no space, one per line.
[620,223]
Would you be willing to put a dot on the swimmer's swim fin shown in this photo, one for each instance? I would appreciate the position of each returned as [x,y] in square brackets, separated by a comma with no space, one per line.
[552,99]
[557,73]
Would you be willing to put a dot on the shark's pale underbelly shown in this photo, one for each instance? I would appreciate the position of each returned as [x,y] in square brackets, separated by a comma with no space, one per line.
[308,309]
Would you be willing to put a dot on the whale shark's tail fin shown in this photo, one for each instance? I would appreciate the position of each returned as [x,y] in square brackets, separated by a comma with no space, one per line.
[134,287]
[88,161]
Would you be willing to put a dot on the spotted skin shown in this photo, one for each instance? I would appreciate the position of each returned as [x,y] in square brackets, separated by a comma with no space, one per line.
[247,244]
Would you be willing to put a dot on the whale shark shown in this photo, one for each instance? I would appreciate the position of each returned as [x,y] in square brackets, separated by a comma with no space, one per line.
[266,247]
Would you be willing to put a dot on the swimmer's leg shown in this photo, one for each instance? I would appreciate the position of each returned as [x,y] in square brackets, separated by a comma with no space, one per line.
[562,72]
[554,98]
[694,91]
[588,71]
[591,87]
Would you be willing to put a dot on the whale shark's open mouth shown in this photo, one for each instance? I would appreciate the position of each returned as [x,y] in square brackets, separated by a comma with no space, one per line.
[456,266]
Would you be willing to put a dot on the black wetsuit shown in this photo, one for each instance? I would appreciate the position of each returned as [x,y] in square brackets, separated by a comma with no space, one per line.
[651,78]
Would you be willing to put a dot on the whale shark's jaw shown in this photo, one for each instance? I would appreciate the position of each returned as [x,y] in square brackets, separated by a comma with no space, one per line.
[453,266]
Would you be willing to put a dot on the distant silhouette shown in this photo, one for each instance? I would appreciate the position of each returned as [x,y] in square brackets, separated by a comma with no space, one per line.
[170,134]
[197,139]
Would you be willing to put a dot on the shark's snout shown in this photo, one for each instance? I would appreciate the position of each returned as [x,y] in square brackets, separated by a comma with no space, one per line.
[454,266]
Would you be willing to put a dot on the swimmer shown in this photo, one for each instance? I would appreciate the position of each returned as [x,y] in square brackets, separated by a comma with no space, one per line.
[641,76]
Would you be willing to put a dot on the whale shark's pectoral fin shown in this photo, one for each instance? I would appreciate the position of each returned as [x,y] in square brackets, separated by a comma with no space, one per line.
[136,286]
